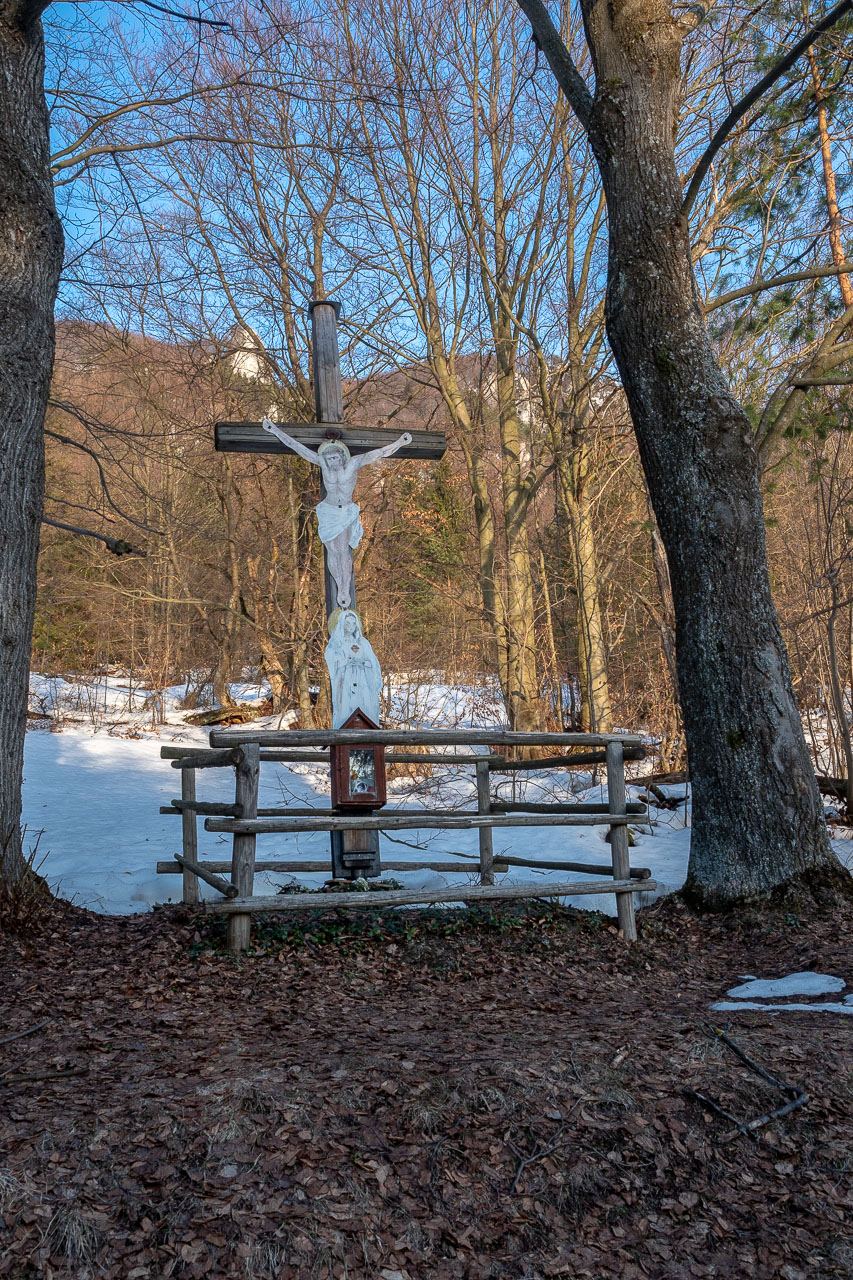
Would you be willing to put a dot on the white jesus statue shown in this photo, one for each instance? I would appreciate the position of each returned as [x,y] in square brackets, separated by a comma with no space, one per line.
[338,517]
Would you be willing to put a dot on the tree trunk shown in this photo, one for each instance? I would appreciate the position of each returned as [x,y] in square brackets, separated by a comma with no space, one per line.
[757,816]
[836,222]
[525,706]
[484,519]
[672,750]
[837,691]
[30,262]
[572,468]
[263,606]
[302,555]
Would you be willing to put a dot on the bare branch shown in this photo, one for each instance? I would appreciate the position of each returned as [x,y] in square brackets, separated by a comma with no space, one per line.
[85,449]
[121,148]
[740,109]
[559,59]
[116,545]
[776,282]
[841,381]
[147,103]
[187,17]
[694,16]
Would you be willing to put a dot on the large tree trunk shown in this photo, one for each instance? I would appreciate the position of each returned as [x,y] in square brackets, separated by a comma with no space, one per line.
[30,262]
[757,816]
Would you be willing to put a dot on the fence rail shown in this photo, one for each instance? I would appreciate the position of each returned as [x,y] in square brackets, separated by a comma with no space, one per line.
[244,751]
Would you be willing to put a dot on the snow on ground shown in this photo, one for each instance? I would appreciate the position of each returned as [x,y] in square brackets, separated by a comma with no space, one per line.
[795,984]
[828,1006]
[94,783]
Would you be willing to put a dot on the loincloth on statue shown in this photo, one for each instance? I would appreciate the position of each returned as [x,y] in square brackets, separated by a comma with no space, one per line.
[333,520]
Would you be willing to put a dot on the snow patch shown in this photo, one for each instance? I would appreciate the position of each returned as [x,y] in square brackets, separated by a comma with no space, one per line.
[795,984]
[804,983]
[94,793]
[729,1006]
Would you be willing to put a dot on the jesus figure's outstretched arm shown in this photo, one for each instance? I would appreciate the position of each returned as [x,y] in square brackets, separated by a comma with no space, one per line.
[308,454]
[373,455]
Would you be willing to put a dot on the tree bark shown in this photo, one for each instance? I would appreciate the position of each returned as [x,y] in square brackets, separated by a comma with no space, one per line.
[836,225]
[484,519]
[263,607]
[672,750]
[525,708]
[757,816]
[301,556]
[31,247]
[572,471]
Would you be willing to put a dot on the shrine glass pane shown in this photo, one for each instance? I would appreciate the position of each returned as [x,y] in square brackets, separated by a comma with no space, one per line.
[362,772]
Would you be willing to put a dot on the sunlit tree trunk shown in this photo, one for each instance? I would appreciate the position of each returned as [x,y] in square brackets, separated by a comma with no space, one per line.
[484,519]
[573,474]
[525,705]
[300,559]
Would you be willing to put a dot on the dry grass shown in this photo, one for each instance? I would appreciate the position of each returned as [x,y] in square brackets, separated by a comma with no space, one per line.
[25,899]
[438,1105]
[12,1191]
[74,1236]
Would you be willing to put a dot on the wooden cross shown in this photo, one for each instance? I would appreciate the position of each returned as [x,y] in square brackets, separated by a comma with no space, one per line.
[353,856]
[250,437]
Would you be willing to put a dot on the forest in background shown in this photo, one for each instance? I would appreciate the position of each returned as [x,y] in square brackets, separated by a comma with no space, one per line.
[414,166]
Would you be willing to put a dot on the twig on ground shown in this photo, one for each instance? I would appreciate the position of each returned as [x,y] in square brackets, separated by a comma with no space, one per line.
[432,1158]
[30,1031]
[791,1090]
[538,1154]
[797,1097]
[720,1111]
[44,1075]
[760,1121]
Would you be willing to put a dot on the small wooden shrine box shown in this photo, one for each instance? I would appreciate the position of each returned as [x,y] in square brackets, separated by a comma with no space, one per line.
[358,771]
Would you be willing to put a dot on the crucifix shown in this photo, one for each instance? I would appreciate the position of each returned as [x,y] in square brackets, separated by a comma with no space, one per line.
[340,450]
[316,442]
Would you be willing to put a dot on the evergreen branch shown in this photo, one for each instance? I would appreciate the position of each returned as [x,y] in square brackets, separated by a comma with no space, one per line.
[740,109]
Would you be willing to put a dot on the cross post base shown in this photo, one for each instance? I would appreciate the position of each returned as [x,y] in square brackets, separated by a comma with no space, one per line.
[354,854]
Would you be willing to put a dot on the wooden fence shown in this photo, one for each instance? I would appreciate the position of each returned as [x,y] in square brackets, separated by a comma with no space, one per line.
[244,751]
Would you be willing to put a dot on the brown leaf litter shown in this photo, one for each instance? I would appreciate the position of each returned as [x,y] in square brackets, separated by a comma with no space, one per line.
[506,1102]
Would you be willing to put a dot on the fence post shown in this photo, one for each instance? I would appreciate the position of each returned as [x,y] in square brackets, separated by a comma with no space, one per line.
[484,805]
[243,856]
[619,852]
[189,833]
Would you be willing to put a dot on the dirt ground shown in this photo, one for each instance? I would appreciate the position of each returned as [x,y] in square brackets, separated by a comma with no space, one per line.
[419,1098]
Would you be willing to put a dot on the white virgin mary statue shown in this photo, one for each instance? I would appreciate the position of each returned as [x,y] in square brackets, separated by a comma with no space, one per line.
[353,670]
